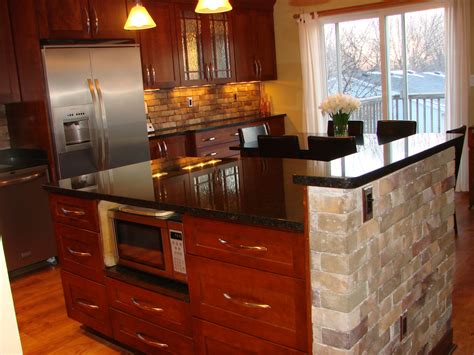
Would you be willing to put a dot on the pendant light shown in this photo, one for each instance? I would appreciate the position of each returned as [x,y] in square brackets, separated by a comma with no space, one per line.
[213,6]
[139,18]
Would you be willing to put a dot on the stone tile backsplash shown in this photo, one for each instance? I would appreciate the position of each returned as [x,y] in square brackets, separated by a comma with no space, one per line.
[4,137]
[169,108]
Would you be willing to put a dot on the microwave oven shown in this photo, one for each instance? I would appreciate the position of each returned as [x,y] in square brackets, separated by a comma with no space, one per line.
[150,241]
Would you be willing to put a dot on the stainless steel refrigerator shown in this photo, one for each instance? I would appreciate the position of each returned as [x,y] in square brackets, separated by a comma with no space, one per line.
[96,105]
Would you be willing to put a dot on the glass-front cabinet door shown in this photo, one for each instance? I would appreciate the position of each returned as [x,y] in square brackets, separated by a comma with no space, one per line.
[206,51]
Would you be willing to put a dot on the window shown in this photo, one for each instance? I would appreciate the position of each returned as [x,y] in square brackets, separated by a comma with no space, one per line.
[394,62]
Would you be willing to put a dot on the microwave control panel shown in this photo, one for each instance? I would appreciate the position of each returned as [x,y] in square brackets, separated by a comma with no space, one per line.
[177,251]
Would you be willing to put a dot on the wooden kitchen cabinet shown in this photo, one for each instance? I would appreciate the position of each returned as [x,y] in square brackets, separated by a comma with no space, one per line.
[82,19]
[254,38]
[206,50]
[159,48]
[9,86]
[169,147]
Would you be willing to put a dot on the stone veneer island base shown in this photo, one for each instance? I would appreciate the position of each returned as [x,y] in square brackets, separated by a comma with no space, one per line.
[366,276]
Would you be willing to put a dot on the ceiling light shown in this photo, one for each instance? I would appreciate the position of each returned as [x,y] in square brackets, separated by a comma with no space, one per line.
[139,18]
[213,6]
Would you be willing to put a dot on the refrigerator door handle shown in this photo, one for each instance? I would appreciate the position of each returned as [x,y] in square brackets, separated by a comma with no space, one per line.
[100,145]
[105,131]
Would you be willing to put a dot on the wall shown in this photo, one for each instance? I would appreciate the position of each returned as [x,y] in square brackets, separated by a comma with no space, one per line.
[286,92]
[169,108]
[365,276]
[4,137]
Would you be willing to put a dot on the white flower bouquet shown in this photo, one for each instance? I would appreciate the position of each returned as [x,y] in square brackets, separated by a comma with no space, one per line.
[340,107]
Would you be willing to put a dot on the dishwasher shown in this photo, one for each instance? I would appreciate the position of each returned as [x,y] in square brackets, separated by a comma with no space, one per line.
[25,219]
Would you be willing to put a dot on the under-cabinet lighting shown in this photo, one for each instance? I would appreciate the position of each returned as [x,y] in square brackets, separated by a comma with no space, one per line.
[202,165]
[139,18]
[213,6]
[158,175]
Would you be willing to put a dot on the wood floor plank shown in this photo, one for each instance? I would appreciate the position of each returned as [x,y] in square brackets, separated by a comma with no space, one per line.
[46,329]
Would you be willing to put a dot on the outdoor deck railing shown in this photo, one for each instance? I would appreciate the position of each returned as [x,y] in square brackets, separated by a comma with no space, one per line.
[428,110]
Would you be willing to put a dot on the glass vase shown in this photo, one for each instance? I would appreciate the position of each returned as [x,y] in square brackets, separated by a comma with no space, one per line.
[341,124]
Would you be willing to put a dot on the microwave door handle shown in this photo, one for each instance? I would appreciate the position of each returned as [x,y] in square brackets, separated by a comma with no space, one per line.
[105,131]
[98,146]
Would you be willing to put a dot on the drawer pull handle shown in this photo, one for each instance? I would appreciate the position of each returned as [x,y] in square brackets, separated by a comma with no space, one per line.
[147,341]
[67,212]
[79,253]
[86,304]
[213,154]
[235,134]
[210,139]
[144,307]
[245,303]
[243,247]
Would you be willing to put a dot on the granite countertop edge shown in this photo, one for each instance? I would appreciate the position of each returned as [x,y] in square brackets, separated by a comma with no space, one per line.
[358,181]
[212,125]
[263,221]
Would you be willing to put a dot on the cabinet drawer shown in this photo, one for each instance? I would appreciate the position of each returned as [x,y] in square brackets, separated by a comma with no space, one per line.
[275,251]
[212,339]
[147,337]
[161,310]
[216,136]
[75,212]
[86,302]
[258,303]
[79,252]
[217,151]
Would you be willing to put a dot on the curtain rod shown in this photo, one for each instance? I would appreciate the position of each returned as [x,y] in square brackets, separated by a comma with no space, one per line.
[357,8]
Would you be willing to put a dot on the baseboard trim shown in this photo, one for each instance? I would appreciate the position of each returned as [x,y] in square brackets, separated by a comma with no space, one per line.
[445,346]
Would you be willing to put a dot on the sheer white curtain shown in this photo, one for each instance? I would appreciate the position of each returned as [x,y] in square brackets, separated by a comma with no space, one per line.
[312,64]
[458,71]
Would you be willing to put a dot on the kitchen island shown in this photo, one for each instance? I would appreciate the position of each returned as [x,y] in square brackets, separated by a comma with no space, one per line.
[284,256]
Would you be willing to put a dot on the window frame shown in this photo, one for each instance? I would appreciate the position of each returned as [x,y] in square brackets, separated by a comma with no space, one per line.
[382,15]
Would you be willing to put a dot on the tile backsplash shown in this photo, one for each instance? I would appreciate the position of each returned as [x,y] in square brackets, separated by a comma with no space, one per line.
[4,136]
[170,108]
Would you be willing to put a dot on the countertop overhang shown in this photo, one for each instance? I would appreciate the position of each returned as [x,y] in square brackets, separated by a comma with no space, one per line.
[267,192]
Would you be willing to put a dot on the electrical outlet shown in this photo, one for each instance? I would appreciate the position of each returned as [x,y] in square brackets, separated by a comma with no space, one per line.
[367,203]
[190,101]
[403,326]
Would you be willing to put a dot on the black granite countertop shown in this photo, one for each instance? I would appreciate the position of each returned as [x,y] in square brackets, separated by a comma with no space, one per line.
[17,159]
[267,192]
[229,122]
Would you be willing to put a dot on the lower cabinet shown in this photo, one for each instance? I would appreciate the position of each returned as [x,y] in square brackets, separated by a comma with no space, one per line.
[170,147]
[147,337]
[86,302]
[212,339]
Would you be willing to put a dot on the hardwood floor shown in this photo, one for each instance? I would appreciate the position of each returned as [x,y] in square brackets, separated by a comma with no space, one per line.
[45,328]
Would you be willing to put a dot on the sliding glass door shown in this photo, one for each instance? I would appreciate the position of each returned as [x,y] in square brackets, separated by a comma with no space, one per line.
[393,62]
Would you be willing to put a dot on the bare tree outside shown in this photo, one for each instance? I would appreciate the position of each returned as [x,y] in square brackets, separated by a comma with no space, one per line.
[360,75]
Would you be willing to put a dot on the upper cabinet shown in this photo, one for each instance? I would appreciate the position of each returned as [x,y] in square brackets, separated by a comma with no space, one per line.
[9,87]
[206,50]
[159,48]
[254,40]
[79,19]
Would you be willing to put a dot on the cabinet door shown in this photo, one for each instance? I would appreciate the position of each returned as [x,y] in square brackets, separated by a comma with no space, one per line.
[193,69]
[64,19]
[108,18]
[220,48]
[265,50]
[9,87]
[244,43]
[159,48]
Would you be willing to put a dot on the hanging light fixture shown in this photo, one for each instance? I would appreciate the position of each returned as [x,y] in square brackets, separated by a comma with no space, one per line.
[139,18]
[213,6]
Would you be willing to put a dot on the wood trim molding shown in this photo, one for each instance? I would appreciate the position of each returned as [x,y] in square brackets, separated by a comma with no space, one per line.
[366,7]
[445,346]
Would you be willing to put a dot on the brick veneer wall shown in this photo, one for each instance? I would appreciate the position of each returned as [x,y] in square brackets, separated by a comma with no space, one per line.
[4,137]
[364,276]
[169,108]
